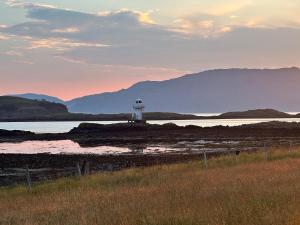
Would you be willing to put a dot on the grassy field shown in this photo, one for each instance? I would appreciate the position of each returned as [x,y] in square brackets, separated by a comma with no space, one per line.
[234,191]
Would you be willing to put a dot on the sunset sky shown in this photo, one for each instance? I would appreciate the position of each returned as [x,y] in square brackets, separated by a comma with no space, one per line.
[70,48]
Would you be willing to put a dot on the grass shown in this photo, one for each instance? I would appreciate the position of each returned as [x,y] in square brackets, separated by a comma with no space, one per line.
[247,190]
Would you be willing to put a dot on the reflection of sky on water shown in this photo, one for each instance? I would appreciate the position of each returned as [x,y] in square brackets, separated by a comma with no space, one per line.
[56,147]
[70,147]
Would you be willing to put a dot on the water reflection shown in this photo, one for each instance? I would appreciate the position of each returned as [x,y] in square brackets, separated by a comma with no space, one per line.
[70,147]
[186,147]
[138,149]
[57,147]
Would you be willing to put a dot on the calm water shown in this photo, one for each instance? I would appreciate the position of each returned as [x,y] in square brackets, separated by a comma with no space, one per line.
[58,127]
[70,147]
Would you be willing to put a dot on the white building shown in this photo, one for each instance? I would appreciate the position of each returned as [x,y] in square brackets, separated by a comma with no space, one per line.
[138,109]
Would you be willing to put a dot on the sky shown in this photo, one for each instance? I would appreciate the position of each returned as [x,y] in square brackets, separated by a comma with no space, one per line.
[71,48]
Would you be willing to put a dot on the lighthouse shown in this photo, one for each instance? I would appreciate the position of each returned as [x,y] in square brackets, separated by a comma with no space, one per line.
[138,109]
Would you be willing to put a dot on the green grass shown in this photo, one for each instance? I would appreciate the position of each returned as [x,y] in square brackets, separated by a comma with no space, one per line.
[234,191]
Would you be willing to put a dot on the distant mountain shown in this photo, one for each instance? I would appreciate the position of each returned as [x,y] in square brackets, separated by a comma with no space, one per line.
[210,91]
[22,109]
[16,107]
[40,97]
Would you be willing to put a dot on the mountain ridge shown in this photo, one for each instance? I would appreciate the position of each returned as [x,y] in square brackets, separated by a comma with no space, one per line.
[219,90]
[22,109]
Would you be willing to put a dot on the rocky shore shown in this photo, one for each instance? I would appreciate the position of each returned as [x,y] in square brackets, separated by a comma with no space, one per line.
[133,135]
[89,134]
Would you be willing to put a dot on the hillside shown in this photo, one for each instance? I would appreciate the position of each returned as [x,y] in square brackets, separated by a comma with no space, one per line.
[15,107]
[210,91]
[23,109]
[233,190]
[33,96]
[221,90]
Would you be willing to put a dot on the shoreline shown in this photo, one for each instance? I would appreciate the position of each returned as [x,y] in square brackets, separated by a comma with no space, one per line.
[54,166]
[89,134]
[45,167]
[136,136]
[153,119]
[123,117]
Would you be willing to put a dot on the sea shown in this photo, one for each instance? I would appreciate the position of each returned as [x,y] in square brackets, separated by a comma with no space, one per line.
[69,147]
[65,126]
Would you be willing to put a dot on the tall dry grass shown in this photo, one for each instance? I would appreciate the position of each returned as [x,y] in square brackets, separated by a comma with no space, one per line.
[247,190]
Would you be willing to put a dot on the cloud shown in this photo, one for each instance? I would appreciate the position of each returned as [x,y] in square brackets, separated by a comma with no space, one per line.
[212,26]
[21,4]
[23,62]
[109,28]
[127,67]
[4,37]
[229,8]
[60,44]
[142,17]
[248,47]
[14,53]
[204,27]
[128,37]
[66,30]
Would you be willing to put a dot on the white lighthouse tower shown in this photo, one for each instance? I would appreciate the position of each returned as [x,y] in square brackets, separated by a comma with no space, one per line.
[138,109]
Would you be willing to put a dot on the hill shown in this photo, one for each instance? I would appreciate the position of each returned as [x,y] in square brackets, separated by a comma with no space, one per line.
[233,190]
[257,113]
[41,97]
[16,107]
[23,109]
[221,90]
[210,91]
